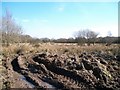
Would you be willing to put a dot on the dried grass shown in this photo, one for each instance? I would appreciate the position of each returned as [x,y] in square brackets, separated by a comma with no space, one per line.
[59,48]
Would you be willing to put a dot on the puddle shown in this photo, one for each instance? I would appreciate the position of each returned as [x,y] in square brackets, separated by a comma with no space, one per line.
[44,84]
[28,83]
[47,85]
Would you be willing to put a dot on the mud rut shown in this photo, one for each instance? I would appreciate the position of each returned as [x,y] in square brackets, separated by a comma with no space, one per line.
[49,72]
[59,78]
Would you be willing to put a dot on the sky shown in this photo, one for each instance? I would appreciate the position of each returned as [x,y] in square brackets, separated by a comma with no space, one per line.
[63,19]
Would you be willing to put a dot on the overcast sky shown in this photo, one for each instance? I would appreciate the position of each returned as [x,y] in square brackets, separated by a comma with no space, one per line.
[62,19]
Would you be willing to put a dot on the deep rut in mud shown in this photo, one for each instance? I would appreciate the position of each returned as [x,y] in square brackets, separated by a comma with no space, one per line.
[66,74]
[17,68]
[44,71]
[15,65]
[55,82]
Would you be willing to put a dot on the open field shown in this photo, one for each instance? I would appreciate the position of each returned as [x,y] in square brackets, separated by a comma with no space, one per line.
[60,45]
[61,66]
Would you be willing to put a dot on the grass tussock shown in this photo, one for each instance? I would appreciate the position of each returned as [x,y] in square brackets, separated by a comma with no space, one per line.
[16,49]
[59,48]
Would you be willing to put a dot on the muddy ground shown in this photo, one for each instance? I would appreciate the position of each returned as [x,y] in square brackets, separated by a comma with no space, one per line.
[84,71]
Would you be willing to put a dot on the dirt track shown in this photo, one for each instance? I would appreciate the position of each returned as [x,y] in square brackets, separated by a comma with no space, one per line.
[87,71]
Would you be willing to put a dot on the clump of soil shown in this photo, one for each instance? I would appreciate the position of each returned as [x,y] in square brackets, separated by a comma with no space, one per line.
[86,71]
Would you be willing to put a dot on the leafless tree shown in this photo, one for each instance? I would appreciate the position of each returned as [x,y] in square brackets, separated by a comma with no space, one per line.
[108,40]
[109,34]
[87,34]
[11,31]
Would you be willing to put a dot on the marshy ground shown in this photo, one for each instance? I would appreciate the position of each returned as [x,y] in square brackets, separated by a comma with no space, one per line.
[61,66]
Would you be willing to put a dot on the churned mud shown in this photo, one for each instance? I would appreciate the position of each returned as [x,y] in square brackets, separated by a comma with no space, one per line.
[84,71]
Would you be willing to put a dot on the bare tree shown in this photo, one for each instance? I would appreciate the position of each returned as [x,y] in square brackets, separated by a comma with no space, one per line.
[10,30]
[109,34]
[87,34]
[108,38]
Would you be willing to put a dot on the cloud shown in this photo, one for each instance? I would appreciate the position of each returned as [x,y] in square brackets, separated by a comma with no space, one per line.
[25,20]
[61,8]
[16,18]
[37,20]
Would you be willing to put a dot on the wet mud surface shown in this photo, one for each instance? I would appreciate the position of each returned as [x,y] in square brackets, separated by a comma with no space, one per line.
[86,71]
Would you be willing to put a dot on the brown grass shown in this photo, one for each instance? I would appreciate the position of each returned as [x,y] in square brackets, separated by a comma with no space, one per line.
[59,48]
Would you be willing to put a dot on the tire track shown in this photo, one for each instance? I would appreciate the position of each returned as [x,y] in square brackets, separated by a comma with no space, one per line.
[28,76]
[68,76]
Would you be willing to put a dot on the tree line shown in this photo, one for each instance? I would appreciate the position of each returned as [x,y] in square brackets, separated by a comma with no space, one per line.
[12,33]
